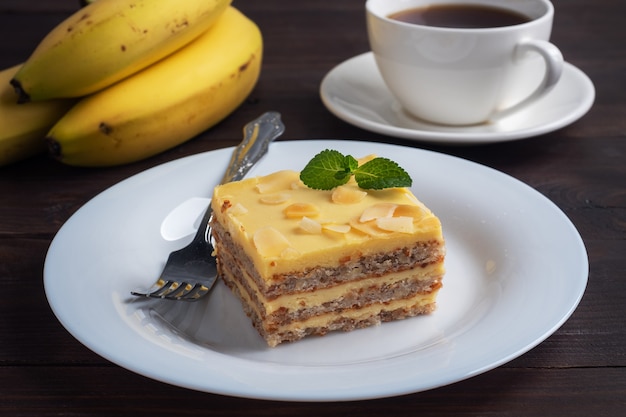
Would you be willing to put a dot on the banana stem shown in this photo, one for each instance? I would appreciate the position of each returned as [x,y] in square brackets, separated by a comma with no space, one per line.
[22,96]
[54,148]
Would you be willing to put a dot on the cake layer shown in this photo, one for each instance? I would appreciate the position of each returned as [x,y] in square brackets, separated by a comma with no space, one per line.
[285,227]
[358,293]
[344,320]
[344,306]
[353,267]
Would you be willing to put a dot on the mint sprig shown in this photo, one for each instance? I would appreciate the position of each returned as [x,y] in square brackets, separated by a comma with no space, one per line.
[329,169]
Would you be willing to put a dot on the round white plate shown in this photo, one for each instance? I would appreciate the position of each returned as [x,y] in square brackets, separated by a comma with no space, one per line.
[355,92]
[516,270]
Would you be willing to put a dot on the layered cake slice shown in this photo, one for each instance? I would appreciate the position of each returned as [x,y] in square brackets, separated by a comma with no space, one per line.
[305,261]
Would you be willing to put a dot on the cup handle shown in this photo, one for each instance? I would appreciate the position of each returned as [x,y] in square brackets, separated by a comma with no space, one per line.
[554,67]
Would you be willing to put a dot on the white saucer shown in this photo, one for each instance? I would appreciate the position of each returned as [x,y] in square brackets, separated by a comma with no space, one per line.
[355,92]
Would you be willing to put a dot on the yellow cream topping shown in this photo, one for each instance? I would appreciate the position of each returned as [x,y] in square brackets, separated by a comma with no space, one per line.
[285,226]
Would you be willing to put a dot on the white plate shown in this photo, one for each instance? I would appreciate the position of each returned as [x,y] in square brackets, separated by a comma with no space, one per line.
[355,92]
[516,270]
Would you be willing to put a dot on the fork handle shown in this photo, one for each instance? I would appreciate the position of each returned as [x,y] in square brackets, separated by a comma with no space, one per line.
[257,136]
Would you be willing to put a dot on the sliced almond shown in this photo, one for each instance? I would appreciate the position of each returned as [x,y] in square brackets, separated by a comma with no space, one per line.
[270,242]
[339,228]
[296,210]
[310,226]
[401,224]
[274,199]
[408,210]
[429,223]
[347,195]
[289,253]
[368,228]
[237,210]
[411,196]
[378,211]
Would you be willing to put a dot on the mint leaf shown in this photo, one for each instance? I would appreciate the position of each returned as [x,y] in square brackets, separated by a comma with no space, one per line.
[351,163]
[329,169]
[381,173]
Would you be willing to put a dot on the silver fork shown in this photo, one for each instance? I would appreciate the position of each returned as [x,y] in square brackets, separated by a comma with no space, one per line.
[190,272]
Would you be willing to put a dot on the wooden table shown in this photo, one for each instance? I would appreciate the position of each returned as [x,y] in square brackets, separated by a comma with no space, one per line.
[579,371]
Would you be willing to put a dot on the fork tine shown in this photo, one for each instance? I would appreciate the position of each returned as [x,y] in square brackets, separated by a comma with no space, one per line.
[145,292]
[196,292]
[167,288]
[178,292]
[174,290]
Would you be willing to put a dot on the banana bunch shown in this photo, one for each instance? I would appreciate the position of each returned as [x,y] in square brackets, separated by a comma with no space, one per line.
[107,41]
[148,75]
[23,126]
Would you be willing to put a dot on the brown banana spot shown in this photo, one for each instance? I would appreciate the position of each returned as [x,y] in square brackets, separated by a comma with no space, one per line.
[105,128]
[244,66]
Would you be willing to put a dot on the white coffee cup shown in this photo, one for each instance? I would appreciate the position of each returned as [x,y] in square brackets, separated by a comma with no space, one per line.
[461,76]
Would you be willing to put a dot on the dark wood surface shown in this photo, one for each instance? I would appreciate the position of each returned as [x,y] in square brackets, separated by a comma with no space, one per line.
[578,371]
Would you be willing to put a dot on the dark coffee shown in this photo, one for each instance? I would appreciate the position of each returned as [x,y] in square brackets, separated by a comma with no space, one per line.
[461,16]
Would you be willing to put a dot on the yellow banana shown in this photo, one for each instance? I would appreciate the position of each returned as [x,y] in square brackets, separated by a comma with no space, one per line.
[167,103]
[23,127]
[109,40]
